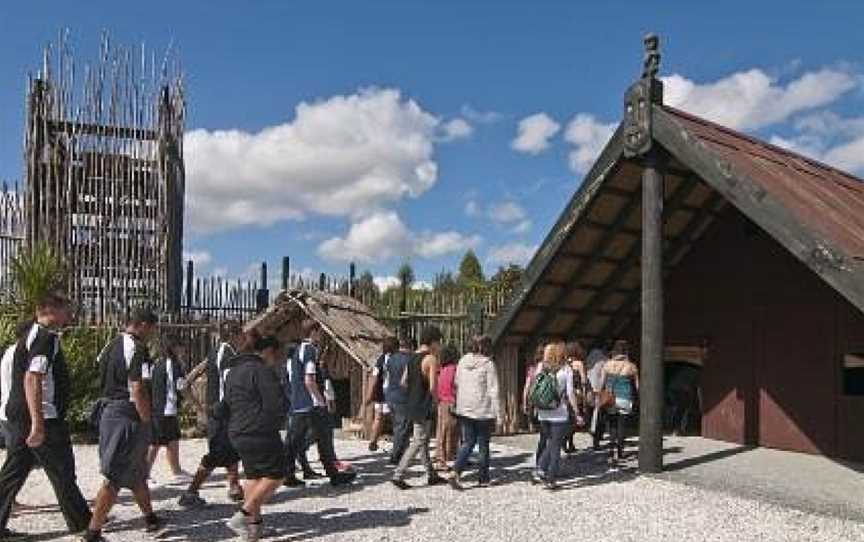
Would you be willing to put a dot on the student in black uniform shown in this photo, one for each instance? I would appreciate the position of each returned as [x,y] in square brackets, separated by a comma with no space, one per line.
[35,410]
[220,453]
[168,380]
[124,427]
[254,404]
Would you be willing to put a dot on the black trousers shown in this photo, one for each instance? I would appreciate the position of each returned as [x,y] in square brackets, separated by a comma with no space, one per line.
[56,457]
[617,424]
[402,429]
[300,425]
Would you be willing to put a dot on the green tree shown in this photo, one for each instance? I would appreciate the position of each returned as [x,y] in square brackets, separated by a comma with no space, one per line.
[35,272]
[470,270]
[443,281]
[509,278]
[406,277]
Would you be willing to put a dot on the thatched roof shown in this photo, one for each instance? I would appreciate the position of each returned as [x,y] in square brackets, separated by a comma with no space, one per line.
[347,322]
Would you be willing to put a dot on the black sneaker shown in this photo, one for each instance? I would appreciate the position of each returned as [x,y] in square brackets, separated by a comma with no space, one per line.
[312,475]
[373,446]
[550,486]
[293,481]
[153,524]
[8,535]
[191,500]
[435,479]
[92,537]
[401,484]
[342,478]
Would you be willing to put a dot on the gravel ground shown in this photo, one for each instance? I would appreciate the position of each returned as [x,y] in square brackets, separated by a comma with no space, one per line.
[594,502]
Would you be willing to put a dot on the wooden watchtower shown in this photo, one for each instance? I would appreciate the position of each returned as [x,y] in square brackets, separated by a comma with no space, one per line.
[105,177]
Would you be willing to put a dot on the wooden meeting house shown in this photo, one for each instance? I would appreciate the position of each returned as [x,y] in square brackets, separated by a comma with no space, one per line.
[685,233]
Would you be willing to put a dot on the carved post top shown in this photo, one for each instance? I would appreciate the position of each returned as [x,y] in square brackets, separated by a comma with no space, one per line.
[651,59]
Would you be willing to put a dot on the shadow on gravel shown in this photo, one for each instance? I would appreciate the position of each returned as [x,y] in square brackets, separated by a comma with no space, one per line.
[295,526]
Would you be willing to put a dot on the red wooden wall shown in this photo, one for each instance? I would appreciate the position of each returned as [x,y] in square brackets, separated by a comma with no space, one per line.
[776,336]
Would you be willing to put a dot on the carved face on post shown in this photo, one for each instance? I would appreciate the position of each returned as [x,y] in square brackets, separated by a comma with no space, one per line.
[637,120]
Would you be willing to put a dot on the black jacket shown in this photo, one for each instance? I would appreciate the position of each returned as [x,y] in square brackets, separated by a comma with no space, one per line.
[159,384]
[254,398]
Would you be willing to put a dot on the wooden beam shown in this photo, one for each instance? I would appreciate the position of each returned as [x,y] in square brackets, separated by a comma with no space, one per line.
[587,264]
[568,310]
[102,130]
[681,193]
[580,257]
[593,224]
[628,308]
[651,396]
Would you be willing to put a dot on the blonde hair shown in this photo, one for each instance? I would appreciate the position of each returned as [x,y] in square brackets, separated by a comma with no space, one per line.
[554,355]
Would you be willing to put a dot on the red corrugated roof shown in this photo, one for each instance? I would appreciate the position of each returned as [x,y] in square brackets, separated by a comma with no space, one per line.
[827,200]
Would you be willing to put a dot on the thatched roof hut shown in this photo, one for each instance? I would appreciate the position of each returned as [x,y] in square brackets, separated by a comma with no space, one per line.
[351,343]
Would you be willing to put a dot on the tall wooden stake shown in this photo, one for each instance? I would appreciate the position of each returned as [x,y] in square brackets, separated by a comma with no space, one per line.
[651,381]
[639,103]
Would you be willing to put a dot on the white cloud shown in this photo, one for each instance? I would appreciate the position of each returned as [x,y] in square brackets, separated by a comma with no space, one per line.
[522,227]
[506,212]
[510,214]
[389,282]
[472,209]
[386,283]
[829,138]
[752,99]
[200,258]
[480,117]
[383,236]
[534,133]
[343,156]
[457,128]
[516,253]
[588,137]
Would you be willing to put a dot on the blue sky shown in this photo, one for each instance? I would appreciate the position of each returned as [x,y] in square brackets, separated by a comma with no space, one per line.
[379,131]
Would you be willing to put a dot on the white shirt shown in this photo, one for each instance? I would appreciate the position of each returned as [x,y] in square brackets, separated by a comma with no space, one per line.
[566,392]
[170,390]
[41,364]
[6,379]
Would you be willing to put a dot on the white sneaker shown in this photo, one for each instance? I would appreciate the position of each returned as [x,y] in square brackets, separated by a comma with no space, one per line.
[237,523]
[182,478]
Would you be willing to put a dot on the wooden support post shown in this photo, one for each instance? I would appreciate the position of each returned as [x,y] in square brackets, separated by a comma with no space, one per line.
[352,278]
[263,299]
[190,279]
[286,271]
[322,282]
[651,362]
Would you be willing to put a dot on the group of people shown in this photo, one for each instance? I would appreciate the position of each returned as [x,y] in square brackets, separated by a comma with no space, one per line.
[593,393]
[414,387]
[256,387]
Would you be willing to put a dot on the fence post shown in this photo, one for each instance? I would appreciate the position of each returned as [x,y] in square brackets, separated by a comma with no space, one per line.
[352,278]
[286,271]
[263,299]
[322,282]
[190,279]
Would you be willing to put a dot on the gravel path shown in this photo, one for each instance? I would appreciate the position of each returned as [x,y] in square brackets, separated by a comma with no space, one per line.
[594,503]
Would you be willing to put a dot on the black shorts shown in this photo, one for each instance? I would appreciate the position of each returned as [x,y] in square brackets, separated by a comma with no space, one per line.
[220,452]
[262,457]
[123,444]
[166,429]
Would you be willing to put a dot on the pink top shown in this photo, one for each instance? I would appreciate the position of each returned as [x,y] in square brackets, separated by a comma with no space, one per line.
[446,392]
